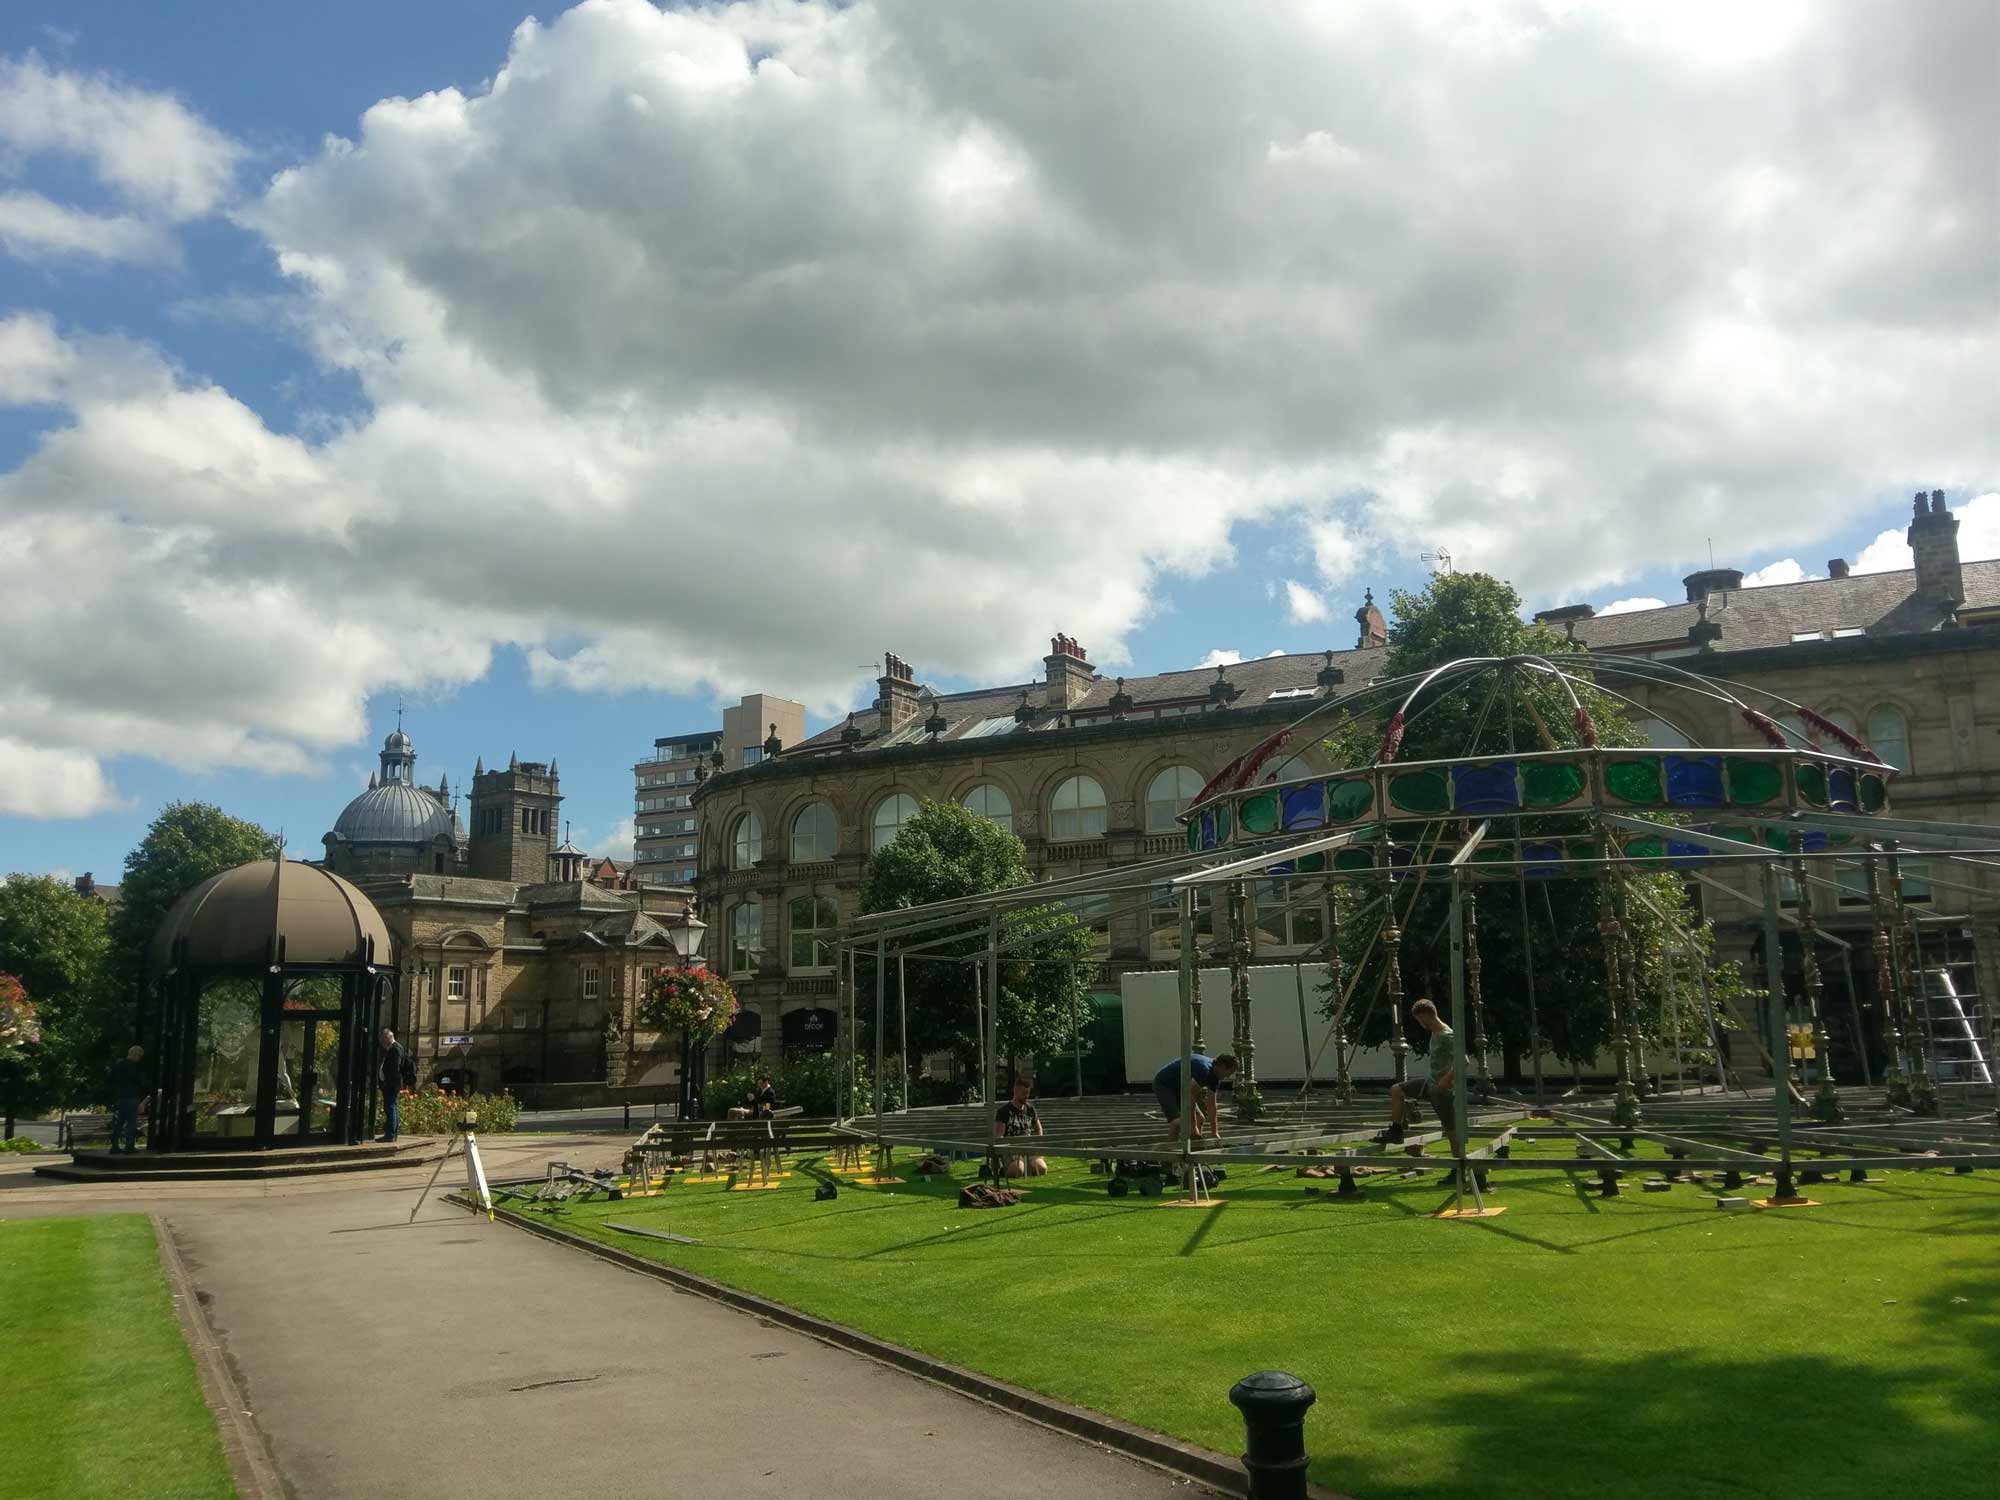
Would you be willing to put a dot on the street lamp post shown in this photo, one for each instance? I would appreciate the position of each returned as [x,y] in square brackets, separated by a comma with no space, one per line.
[693,933]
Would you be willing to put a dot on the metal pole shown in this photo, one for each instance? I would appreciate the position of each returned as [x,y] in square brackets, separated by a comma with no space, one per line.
[993,996]
[1854,1009]
[1774,979]
[1527,935]
[1458,1089]
[1305,1032]
[881,986]
[979,1025]
[903,1024]
[1187,1040]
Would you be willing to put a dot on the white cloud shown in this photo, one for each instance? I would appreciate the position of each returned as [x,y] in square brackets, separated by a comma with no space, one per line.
[1785,570]
[1302,605]
[37,782]
[1628,606]
[1221,656]
[156,156]
[617,844]
[872,307]
[1978,537]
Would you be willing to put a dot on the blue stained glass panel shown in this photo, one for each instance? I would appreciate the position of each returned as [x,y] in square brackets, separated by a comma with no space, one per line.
[1304,807]
[1813,841]
[1840,789]
[1485,788]
[1543,860]
[1694,780]
[1208,829]
[1680,851]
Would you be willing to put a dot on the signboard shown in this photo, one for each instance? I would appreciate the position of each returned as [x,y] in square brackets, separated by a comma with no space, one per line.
[810,1030]
[456,1041]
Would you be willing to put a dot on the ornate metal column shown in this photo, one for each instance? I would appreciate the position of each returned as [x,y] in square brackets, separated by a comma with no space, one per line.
[1392,949]
[1625,1108]
[1343,1084]
[1903,949]
[1481,1071]
[1826,1098]
[1895,1082]
[1193,927]
[1249,1102]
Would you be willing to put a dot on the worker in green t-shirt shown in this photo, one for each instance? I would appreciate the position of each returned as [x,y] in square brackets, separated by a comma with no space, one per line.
[1435,1088]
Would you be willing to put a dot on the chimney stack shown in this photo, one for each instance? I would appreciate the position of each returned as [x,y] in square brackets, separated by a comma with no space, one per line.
[1836,567]
[1567,616]
[1933,538]
[1712,581]
[896,693]
[1070,674]
[1374,629]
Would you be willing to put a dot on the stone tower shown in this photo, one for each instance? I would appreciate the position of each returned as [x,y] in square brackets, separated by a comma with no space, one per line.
[1933,539]
[514,822]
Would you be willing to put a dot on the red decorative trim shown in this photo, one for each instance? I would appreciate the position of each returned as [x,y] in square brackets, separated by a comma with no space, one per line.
[1763,725]
[1586,727]
[1392,740]
[1853,746]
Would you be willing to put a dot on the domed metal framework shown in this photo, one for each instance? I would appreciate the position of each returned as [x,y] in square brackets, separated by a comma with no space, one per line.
[271,980]
[1809,800]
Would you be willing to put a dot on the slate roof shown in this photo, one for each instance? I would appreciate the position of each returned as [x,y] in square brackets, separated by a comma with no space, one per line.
[1254,681]
[1881,604]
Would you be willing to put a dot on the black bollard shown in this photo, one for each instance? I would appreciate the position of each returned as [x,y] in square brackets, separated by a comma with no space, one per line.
[1274,1433]
[1857,1174]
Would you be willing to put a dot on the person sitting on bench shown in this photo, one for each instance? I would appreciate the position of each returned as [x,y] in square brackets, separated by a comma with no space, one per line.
[1210,1073]
[1436,1089]
[762,1101]
[1017,1117]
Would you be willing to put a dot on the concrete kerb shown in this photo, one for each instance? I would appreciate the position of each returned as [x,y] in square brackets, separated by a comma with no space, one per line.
[243,1447]
[1202,1465]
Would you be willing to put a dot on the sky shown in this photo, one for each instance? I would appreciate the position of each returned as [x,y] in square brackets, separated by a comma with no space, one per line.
[563,378]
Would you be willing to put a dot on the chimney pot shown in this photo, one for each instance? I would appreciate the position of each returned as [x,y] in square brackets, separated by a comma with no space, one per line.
[1712,581]
[1836,567]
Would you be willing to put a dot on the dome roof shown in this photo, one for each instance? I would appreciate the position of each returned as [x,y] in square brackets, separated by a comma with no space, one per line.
[395,813]
[242,916]
[397,740]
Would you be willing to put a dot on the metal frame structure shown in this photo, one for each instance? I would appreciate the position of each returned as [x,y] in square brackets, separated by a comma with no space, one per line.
[1586,810]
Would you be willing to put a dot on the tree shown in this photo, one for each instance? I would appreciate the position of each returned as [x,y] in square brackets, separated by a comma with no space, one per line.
[54,942]
[1472,615]
[946,853]
[187,843]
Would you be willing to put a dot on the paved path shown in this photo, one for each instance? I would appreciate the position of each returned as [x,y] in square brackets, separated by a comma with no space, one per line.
[386,1359]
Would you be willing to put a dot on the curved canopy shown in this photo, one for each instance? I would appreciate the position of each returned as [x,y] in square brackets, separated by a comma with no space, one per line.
[236,919]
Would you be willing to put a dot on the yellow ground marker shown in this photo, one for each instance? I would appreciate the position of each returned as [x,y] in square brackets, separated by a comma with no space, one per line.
[876,1181]
[1784,1203]
[755,1187]
[711,1177]
[1492,1211]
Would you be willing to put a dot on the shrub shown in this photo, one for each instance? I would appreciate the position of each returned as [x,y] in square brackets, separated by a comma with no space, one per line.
[431,1111]
[20,1144]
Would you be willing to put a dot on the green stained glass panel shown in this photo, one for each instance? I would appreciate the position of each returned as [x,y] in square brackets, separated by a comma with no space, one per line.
[1579,849]
[1354,859]
[1646,847]
[1311,864]
[1752,783]
[1551,783]
[1874,794]
[1634,780]
[1222,823]
[1420,792]
[1259,814]
[1348,800]
[1812,783]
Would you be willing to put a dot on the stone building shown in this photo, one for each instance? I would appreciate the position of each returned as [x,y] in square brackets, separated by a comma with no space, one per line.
[666,839]
[1090,771]
[1909,662]
[517,967]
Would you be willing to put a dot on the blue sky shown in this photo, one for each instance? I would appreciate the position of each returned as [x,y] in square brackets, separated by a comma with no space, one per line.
[718,354]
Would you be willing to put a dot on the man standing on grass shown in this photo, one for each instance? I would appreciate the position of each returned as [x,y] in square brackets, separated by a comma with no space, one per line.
[1436,1088]
[1209,1073]
[128,1085]
[391,1079]
[1018,1118]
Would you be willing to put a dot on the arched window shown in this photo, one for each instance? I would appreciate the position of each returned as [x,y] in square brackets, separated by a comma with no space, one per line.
[1076,811]
[992,804]
[813,922]
[1168,795]
[1841,718]
[815,836]
[746,936]
[891,813]
[746,842]
[1889,735]
[1660,735]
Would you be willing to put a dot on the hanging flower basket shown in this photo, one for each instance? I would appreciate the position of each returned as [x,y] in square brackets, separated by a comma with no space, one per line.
[691,1000]
[18,1028]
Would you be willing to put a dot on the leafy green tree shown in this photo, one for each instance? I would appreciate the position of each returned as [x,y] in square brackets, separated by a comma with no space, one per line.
[945,853]
[54,942]
[1461,616]
[187,843]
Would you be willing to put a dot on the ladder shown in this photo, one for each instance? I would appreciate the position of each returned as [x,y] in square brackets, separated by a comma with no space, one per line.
[1951,1019]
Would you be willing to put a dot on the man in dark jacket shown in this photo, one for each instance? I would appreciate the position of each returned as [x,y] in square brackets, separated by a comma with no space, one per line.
[391,1078]
[128,1086]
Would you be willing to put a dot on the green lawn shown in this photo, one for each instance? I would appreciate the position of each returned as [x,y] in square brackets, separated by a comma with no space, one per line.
[1651,1345]
[101,1397]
